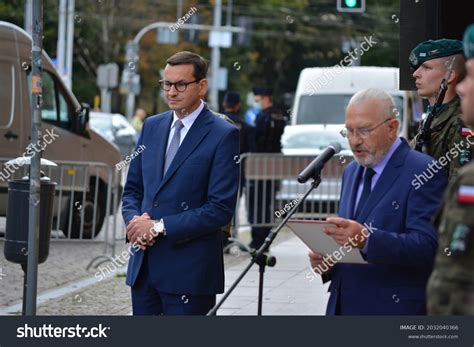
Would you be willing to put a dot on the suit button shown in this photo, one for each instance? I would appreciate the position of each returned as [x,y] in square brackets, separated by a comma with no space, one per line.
[155,204]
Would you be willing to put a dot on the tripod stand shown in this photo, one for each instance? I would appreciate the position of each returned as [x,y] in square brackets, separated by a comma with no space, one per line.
[260,258]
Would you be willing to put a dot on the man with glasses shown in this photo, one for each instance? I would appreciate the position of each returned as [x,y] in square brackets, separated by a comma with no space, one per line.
[382,216]
[179,193]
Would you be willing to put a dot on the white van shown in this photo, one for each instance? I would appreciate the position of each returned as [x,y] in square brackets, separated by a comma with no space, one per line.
[323,93]
[62,115]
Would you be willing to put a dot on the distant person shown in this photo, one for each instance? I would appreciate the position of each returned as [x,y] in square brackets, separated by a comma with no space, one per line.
[250,115]
[232,108]
[269,125]
[231,105]
[138,119]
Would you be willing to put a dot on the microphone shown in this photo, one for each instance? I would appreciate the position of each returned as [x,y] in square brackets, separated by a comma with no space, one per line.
[318,163]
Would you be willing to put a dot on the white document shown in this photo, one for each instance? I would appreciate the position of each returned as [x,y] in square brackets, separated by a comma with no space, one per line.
[312,234]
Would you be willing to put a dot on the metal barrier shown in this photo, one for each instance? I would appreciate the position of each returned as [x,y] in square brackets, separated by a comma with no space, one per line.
[86,200]
[88,195]
[271,189]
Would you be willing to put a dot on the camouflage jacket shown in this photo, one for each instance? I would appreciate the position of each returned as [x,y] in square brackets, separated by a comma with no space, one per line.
[451,286]
[447,130]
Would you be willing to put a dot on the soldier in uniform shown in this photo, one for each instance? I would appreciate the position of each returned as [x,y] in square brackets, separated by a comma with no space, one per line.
[451,286]
[430,61]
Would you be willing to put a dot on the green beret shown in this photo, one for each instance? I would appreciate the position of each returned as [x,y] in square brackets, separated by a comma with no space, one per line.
[433,49]
[468,42]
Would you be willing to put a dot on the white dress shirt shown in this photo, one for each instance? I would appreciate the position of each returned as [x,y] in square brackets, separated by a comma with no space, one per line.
[187,121]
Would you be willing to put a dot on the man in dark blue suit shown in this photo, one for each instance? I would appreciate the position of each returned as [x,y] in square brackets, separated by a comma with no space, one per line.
[384,214]
[179,193]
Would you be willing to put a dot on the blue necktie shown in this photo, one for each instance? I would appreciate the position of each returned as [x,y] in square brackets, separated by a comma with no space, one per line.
[368,174]
[174,145]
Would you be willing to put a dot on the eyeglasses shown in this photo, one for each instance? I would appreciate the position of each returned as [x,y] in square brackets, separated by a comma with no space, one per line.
[362,133]
[180,86]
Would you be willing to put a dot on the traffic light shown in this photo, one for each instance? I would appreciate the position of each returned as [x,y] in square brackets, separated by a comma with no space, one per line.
[351,5]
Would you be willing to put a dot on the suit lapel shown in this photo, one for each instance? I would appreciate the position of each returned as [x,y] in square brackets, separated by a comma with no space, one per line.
[198,131]
[354,184]
[160,132]
[390,173]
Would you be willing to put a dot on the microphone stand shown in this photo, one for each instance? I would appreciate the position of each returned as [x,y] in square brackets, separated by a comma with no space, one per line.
[263,260]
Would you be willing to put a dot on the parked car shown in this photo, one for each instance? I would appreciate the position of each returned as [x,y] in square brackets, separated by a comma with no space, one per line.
[306,142]
[115,128]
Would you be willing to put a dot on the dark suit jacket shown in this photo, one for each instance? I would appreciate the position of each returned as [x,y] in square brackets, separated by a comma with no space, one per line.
[402,243]
[195,198]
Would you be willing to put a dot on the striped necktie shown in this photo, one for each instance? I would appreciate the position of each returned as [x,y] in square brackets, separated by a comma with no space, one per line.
[174,145]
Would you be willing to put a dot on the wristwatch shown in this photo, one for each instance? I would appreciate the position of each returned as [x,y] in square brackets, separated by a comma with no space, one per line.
[159,228]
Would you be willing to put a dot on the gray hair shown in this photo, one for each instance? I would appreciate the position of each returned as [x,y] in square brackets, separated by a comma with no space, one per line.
[376,94]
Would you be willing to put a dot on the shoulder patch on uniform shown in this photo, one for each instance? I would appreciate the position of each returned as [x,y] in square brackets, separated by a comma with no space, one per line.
[464,157]
[460,240]
[466,132]
[466,194]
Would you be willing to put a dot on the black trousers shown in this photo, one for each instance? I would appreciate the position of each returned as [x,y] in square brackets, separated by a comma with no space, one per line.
[260,211]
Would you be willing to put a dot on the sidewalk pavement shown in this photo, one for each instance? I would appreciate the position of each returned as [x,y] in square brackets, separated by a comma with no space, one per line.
[287,289]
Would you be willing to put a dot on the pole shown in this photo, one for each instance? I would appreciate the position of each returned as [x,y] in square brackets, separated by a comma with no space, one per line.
[61,38]
[69,42]
[28,21]
[179,9]
[105,100]
[215,60]
[228,19]
[35,183]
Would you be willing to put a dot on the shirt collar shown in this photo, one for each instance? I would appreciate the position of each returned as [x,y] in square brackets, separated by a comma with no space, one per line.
[189,119]
[381,165]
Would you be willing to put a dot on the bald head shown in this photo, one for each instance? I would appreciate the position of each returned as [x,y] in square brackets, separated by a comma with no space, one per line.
[384,102]
[371,125]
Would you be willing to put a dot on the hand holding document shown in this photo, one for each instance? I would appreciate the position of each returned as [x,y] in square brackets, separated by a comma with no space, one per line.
[312,234]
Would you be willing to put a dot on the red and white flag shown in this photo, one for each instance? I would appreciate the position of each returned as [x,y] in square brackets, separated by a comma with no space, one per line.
[466,194]
[466,132]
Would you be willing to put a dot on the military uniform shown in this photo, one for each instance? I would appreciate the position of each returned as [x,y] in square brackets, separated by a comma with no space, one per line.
[450,288]
[447,130]
[447,127]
